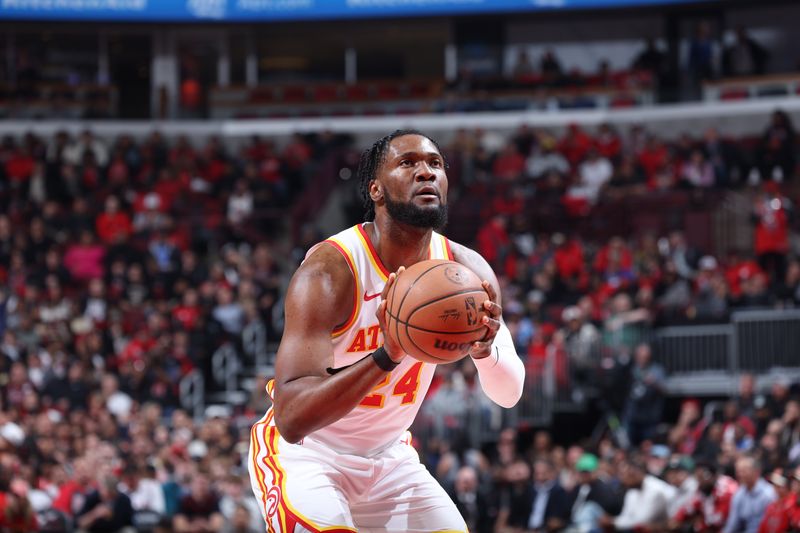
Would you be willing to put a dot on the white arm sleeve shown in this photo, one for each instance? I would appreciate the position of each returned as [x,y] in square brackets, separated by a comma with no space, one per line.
[502,373]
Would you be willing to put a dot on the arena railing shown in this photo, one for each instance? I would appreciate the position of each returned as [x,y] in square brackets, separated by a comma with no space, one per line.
[191,390]
[669,120]
[705,360]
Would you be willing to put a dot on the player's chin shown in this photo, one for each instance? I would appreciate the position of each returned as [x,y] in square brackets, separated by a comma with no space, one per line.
[427,200]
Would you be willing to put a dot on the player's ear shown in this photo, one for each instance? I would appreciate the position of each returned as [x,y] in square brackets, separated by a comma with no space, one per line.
[375,190]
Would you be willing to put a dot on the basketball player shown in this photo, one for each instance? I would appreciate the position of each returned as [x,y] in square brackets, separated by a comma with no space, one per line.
[334,453]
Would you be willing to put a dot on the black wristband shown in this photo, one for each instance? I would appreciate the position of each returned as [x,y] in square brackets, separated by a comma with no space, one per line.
[383,360]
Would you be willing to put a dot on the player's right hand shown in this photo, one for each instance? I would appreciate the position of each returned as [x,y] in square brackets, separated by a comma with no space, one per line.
[392,348]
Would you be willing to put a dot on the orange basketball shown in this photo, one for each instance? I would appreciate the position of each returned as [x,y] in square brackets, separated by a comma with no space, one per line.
[435,311]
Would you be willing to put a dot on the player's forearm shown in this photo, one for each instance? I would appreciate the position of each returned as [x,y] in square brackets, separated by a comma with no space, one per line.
[308,403]
[502,373]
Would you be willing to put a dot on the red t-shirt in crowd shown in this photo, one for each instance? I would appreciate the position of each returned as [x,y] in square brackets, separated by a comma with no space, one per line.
[569,259]
[709,512]
[112,226]
[779,514]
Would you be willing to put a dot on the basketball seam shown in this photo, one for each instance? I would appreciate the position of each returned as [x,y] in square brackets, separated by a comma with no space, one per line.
[411,285]
[396,320]
[425,304]
[400,306]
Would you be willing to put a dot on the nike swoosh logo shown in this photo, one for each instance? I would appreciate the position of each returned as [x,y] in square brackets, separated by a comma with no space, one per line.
[368,297]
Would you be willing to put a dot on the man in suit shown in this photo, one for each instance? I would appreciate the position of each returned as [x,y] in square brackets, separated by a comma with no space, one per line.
[472,502]
[545,506]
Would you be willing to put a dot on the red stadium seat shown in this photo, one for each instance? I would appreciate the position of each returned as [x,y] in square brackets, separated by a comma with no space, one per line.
[294,93]
[623,101]
[262,95]
[357,92]
[388,91]
[326,93]
[419,89]
[734,94]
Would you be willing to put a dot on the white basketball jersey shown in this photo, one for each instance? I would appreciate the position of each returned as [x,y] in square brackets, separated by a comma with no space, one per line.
[385,415]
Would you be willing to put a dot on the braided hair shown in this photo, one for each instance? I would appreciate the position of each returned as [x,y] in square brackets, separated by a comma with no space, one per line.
[371,160]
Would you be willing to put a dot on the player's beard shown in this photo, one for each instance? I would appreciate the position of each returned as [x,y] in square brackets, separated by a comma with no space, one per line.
[433,217]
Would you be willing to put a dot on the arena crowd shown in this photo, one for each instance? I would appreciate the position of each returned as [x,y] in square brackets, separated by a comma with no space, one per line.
[124,263]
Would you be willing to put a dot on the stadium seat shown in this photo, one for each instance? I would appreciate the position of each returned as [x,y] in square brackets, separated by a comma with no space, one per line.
[326,93]
[623,101]
[737,93]
[357,92]
[294,93]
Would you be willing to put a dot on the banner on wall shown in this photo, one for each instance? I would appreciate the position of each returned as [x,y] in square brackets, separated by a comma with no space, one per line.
[266,10]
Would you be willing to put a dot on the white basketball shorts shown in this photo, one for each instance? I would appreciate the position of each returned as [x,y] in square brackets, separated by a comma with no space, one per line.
[308,487]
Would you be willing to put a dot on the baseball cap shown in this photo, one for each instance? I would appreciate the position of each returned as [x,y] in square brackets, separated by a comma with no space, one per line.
[681,463]
[12,433]
[660,450]
[708,262]
[571,313]
[586,463]
[778,479]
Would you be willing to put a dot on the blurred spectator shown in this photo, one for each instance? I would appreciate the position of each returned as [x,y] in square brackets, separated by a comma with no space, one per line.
[652,60]
[113,226]
[509,164]
[544,506]
[17,514]
[647,500]
[646,398]
[703,50]
[86,144]
[745,57]
[625,325]
[199,509]
[240,203]
[751,499]
[493,241]
[473,504]
[582,341]
[241,511]
[772,216]
[709,507]
[146,493]
[592,498]
[84,260]
[776,151]
[523,67]
[779,514]
[545,159]
[680,474]
[594,173]
[746,396]
[550,68]
[698,172]
[106,509]
[712,294]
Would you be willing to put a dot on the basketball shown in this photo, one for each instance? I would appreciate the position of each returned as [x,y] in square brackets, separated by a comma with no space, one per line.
[435,311]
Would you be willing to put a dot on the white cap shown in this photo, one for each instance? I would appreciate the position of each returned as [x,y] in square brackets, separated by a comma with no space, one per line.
[571,313]
[120,404]
[12,433]
[152,201]
[708,262]
[197,449]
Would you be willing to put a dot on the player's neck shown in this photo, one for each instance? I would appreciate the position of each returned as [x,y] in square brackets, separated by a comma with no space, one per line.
[399,244]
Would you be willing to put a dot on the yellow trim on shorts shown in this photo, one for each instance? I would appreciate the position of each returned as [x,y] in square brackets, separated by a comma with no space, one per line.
[285,508]
[256,446]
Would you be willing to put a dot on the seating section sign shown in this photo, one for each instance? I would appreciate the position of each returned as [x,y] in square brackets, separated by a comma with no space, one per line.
[250,10]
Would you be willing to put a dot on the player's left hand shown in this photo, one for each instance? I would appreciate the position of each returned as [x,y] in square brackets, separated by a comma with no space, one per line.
[493,311]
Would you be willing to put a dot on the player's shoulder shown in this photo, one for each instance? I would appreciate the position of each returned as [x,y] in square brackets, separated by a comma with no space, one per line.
[324,271]
[472,259]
